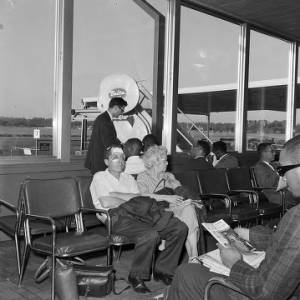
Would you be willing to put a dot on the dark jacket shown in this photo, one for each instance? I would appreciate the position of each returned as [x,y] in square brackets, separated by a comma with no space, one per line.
[103,135]
[145,209]
[227,162]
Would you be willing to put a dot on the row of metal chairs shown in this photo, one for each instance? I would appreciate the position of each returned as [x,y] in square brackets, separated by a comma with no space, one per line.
[53,217]
[231,194]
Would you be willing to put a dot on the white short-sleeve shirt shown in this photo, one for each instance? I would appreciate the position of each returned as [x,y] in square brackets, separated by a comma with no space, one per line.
[104,183]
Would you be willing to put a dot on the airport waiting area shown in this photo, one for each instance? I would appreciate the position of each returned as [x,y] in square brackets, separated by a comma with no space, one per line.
[149,149]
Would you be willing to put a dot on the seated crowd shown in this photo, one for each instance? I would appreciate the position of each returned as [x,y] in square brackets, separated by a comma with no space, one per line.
[152,206]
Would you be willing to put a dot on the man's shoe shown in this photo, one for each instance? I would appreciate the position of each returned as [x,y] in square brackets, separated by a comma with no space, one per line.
[165,278]
[138,285]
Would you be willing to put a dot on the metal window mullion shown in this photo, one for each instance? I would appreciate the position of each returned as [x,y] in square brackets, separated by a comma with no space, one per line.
[158,65]
[242,90]
[63,79]
[171,76]
[291,91]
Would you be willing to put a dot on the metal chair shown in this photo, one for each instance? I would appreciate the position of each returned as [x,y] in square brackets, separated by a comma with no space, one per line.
[240,178]
[224,282]
[234,206]
[45,200]
[12,224]
[91,222]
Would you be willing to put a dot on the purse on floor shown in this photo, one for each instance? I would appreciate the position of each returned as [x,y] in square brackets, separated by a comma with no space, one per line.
[91,281]
[94,281]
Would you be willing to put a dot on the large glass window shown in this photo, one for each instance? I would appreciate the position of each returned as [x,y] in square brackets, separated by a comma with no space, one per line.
[26,77]
[207,86]
[112,38]
[268,73]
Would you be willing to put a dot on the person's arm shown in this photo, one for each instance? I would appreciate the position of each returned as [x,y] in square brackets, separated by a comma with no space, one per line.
[144,190]
[107,133]
[172,199]
[110,202]
[171,181]
[258,236]
[278,275]
[123,196]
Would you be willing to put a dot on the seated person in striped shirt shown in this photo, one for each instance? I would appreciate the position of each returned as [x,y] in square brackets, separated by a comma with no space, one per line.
[277,277]
[154,179]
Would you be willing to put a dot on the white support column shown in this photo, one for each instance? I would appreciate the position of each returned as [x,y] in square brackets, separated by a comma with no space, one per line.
[242,91]
[291,93]
[171,76]
[63,80]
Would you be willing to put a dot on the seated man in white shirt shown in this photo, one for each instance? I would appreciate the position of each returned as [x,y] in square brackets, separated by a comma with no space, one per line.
[111,188]
[134,163]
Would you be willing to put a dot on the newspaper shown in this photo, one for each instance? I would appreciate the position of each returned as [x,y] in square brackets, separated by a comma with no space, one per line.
[212,260]
[226,236]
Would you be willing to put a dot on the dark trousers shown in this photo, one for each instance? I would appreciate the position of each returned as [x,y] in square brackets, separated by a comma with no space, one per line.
[190,281]
[147,239]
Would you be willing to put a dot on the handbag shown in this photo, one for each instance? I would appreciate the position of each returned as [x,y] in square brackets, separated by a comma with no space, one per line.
[75,278]
[94,281]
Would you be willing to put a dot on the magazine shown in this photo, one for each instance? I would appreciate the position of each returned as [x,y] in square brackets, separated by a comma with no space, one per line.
[212,260]
[226,236]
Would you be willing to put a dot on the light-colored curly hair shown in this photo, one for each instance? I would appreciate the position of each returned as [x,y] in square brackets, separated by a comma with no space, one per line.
[153,155]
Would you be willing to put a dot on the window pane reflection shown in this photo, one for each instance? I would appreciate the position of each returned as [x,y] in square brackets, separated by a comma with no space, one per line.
[266,116]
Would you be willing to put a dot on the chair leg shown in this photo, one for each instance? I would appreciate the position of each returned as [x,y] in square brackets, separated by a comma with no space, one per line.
[53,278]
[119,253]
[24,263]
[17,244]
[109,256]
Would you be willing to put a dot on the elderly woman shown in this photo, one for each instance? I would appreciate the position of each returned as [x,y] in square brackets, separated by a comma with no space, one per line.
[156,178]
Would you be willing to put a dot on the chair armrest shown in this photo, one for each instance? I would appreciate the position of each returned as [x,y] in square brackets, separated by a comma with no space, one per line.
[251,192]
[243,191]
[50,220]
[100,211]
[8,205]
[221,196]
[213,195]
[224,282]
[28,217]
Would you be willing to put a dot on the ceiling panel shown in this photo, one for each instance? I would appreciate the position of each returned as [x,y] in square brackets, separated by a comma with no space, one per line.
[282,16]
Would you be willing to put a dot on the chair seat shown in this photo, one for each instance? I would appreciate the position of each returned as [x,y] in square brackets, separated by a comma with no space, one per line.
[243,213]
[72,243]
[115,239]
[267,208]
[217,214]
[8,224]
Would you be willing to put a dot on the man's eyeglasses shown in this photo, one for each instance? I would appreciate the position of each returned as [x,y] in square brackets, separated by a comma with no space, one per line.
[283,169]
[122,108]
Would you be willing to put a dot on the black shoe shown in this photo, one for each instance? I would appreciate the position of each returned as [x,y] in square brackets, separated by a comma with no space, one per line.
[138,285]
[165,278]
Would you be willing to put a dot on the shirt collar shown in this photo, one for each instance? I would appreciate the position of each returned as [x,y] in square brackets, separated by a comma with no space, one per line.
[113,177]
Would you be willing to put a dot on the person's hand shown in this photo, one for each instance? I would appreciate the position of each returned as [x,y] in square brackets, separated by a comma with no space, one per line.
[229,255]
[242,232]
[173,199]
